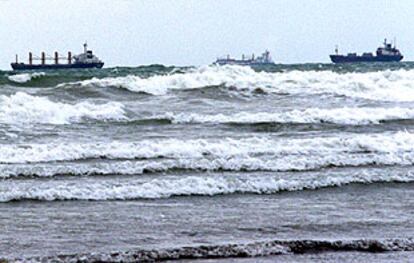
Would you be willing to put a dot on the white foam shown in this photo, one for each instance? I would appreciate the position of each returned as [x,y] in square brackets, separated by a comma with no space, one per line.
[350,116]
[160,85]
[383,85]
[257,153]
[22,108]
[94,168]
[25,77]
[177,186]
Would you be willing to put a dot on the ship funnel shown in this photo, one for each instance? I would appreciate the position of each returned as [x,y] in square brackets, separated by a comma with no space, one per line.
[56,58]
[30,58]
[69,57]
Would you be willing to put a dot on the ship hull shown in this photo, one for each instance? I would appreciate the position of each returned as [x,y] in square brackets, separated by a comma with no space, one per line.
[243,63]
[22,66]
[364,59]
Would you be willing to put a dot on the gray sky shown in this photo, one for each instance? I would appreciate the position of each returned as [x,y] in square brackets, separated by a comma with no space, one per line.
[194,32]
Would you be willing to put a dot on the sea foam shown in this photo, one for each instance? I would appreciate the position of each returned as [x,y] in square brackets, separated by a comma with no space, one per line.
[116,189]
[383,85]
[346,116]
[242,154]
[22,108]
[25,77]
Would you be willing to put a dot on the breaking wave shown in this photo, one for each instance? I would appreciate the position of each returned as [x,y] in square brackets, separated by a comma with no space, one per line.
[386,85]
[346,116]
[249,154]
[210,148]
[25,77]
[254,249]
[51,78]
[169,186]
[22,108]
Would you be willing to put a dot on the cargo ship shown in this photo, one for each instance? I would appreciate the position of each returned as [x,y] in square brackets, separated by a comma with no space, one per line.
[387,53]
[85,60]
[264,59]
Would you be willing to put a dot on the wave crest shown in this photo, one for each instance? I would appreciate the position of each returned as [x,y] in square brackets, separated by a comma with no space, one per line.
[22,108]
[245,152]
[99,190]
[383,85]
[346,116]
[25,77]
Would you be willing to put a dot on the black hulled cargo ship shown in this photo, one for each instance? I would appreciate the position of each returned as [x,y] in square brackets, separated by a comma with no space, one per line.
[85,60]
[387,53]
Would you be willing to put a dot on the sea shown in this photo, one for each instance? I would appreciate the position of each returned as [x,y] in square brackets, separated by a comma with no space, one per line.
[283,163]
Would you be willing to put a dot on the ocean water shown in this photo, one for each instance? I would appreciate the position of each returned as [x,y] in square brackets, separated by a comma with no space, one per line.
[288,163]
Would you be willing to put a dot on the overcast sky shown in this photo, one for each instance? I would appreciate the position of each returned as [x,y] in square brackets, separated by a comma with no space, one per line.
[195,32]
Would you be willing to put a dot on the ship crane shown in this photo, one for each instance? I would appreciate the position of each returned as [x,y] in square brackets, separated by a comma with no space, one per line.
[46,57]
[84,60]
[247,60]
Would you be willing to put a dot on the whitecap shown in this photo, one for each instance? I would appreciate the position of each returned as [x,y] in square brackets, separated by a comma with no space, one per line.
[22,108]
[25,77]
[256,153]
[51,190]
[345,115]
[385,85]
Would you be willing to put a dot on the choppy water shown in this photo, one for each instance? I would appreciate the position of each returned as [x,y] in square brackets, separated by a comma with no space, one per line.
[289,163]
